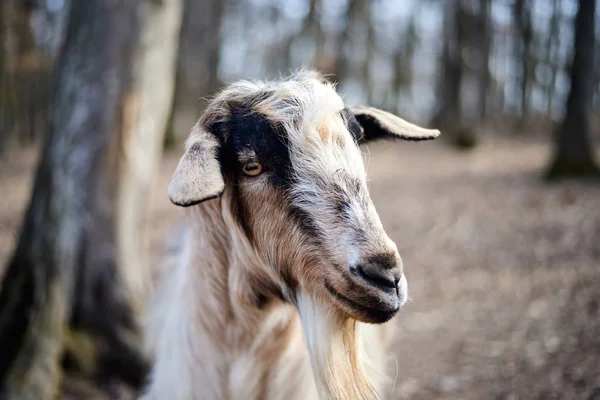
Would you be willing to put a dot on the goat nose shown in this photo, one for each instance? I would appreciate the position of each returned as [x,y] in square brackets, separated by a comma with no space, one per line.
[381,275]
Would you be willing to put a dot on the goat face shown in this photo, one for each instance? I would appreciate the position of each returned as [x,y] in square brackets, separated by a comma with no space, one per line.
[284,158]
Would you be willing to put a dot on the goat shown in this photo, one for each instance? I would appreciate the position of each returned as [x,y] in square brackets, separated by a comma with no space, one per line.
[285,268]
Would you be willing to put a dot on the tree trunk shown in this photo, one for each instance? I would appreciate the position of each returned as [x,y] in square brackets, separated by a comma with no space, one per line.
[145,124]
[449,109]
[197,64]
[552,50]
[484,44]
[3,61]
[523,57]
[311,30]
[342,65]
[573,154]
[7,98]
[370,43]
[24,76]
[66,283]
[403,66]
[452,72]
[3,47]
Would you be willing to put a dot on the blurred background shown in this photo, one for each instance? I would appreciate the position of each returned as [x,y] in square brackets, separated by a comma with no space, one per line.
[498,221]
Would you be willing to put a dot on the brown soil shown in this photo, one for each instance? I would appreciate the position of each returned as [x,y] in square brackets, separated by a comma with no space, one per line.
[503,269]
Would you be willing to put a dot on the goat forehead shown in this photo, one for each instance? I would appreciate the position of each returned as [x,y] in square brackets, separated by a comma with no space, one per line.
[327,149]
[301,101]
[324,156]
[252,136]
[310,123]
[298,125]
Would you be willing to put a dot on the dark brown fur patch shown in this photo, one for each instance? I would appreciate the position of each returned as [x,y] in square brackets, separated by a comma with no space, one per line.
[240,214]
[384,260]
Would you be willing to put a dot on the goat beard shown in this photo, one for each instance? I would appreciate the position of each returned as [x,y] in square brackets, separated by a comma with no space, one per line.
[336,352]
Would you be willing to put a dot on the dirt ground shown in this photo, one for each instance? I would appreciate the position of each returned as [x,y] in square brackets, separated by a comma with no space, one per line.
[503,270]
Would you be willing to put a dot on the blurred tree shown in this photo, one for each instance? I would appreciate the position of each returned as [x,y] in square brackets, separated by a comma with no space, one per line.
[403,71]
[551,50]
[450,73]
[449,114]
[573,151]
[7,61]
[370,43]
[523,59]
[596,103]
[354,19]
[278,57]
[484,49]
[24,76]
[4,54]
[313,29]
[197,65]
[501,59]
[73,286]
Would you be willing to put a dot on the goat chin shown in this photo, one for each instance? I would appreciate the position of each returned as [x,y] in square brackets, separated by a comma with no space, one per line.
[342,360]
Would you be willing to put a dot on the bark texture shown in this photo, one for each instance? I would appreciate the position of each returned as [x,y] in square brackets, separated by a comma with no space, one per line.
[573,151]
[74,282]
[147,109]
[449,114]
[484,48]
[523,58]
[197,64]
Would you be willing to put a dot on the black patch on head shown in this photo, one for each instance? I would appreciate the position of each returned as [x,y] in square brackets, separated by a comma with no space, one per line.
[356,130]
[247,131]
[250,131]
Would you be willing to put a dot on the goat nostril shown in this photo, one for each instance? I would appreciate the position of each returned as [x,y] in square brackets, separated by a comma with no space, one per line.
[388,278]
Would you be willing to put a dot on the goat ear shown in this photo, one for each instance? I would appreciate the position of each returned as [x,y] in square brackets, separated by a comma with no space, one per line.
[198,176]
[379,124]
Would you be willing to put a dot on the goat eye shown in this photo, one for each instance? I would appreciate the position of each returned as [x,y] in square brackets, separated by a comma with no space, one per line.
[252,168]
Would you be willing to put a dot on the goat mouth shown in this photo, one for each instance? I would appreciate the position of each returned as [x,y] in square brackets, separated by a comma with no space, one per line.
[365,312]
